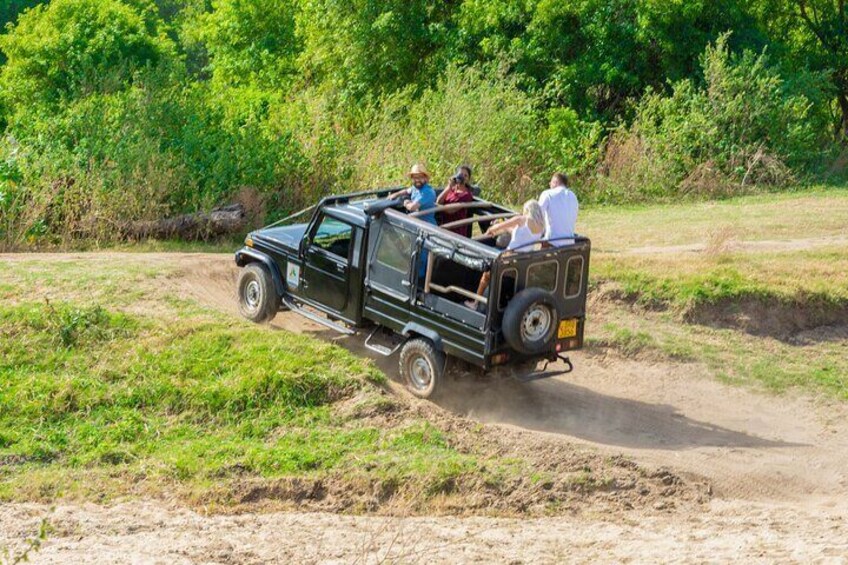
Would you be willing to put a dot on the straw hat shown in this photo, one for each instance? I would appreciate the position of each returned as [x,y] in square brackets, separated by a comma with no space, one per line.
[419,170]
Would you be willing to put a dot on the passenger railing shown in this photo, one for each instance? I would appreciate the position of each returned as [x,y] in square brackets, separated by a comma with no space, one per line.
[457,206]
[486,218]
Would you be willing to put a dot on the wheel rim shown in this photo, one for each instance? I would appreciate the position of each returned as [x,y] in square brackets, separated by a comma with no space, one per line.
[536,323]
[420,373]
[252,294]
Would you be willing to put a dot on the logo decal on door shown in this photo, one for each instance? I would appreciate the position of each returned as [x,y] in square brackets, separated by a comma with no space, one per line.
[293,275]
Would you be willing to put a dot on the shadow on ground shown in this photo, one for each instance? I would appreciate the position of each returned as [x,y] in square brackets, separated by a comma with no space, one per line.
[559,407]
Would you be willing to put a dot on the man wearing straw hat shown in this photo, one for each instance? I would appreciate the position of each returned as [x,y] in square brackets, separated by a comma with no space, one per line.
[421,194]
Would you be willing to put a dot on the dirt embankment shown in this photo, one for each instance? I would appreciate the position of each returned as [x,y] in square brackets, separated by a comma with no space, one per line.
[801,319]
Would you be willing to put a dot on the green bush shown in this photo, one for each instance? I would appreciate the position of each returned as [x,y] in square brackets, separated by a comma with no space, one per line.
[250,43]
[69,48]
[470,116]
[744,126]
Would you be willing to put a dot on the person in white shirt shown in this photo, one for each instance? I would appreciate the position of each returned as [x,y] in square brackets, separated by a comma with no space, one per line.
[559,204]
[526,230]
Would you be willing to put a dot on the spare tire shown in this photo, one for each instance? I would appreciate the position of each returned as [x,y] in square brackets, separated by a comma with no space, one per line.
[530,321]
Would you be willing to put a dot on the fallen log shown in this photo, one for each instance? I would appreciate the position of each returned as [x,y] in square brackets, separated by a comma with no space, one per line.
[200,225]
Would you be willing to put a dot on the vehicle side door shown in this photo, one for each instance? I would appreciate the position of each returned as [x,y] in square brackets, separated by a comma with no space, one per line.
[326,263]
[389,281]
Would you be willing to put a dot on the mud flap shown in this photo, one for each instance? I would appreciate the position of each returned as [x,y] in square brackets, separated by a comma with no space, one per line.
[544,373]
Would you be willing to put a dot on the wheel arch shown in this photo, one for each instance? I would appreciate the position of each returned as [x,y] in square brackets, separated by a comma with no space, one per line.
[412,329]
[247,256]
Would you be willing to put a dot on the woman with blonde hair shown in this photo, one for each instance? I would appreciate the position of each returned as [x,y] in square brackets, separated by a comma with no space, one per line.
[526,230]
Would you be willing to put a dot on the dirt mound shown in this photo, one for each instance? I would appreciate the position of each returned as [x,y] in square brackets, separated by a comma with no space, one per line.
[772,317]
[802,319]
[561,477]
[551,477]
[660,413]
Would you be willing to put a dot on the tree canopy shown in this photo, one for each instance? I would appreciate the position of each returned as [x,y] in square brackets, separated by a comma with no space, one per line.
[294,98]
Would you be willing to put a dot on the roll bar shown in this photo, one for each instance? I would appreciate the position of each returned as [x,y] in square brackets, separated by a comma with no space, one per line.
[457,206]
[486,218]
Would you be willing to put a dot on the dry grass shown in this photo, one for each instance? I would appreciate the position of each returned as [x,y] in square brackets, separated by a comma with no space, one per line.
[819,213]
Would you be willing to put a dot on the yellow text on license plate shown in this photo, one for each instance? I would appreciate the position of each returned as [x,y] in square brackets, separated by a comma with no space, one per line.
[567,328]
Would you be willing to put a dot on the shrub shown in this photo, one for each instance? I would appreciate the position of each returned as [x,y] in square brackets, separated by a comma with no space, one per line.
[470,116]
[744,126]
[69,48]
[250,43]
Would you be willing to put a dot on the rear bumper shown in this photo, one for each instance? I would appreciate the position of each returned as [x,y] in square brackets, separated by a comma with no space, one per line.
[533,370]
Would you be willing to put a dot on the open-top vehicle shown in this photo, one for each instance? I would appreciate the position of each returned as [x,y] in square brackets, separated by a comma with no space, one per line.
[359,261]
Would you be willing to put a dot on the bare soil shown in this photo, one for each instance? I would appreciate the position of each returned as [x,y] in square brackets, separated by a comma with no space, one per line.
[148,532]
[757,477]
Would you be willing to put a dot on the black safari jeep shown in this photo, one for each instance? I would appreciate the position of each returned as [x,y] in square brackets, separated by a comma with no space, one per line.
[359,261]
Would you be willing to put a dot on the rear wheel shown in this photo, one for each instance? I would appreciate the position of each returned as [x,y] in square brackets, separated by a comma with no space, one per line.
[258,300]
[422,367]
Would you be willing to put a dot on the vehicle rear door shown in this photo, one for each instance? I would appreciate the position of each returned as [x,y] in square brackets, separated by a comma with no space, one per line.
[327,263]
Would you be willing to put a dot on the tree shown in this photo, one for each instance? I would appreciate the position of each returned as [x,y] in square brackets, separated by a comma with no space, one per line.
[250,42]
[372,47]
[596,56]
[69,48]
[812,35]
[827,22]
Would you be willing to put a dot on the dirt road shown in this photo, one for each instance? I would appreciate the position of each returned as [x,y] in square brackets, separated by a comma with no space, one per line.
[144,532]
[778,467]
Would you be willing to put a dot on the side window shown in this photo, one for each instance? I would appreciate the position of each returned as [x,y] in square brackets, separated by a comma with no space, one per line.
[394,248]
[333,236]
[543,275]
[573,277]
[508,280]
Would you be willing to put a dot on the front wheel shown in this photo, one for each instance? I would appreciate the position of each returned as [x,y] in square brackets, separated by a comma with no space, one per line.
[258,299]
[422,367]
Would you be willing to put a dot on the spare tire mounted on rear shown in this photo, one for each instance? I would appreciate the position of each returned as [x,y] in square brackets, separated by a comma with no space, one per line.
[530,321]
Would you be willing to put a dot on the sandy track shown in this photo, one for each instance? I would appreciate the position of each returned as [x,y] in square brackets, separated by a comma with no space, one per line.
[144,532]
[778,466]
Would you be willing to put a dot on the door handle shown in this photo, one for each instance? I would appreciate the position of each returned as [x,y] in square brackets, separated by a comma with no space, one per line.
[341,268]
[405,282]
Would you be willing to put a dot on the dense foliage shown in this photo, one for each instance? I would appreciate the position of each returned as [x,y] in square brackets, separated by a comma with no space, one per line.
[117,110]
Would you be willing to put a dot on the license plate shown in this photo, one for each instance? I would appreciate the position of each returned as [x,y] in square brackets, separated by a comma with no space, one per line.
[567,328]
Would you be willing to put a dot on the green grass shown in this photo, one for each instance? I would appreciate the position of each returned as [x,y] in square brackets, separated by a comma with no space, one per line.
[808,278]
[809,366]
[89,394]
[812,276]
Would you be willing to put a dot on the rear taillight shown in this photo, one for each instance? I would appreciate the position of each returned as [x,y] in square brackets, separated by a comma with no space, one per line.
[500,358]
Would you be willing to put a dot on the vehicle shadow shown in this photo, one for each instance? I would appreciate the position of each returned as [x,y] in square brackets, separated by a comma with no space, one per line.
[559,407]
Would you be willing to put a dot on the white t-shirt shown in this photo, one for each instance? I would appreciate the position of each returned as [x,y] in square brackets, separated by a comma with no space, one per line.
[560,207]
[522,236]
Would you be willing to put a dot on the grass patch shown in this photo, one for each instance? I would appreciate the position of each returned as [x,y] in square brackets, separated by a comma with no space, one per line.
[687,279]
[811,213]
[98,404]
[93,392]
[817,365]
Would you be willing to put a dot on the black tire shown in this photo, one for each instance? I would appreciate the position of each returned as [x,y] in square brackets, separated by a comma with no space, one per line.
[422,367]
[258,300]
[530,321]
